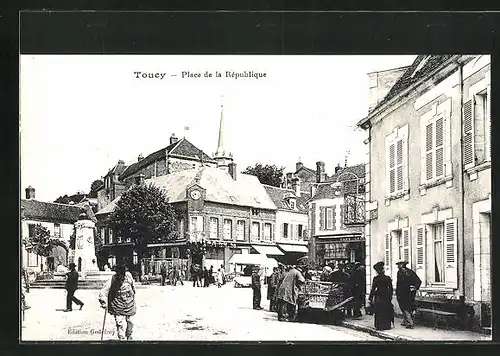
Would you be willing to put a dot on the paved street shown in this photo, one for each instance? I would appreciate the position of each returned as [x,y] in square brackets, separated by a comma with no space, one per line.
[168,313]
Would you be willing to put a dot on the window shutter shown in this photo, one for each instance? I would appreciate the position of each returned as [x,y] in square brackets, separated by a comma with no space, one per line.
[392,172]
[420,263]
[447,145]
[322,218]
[450,234]
[428,151]
[468,134]
[488,123]
[406,245]
[334,217]
[313,219]
[387,255]
[406,183]
[439,161]
[399,162]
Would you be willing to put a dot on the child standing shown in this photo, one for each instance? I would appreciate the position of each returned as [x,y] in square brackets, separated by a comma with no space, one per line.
[219,278]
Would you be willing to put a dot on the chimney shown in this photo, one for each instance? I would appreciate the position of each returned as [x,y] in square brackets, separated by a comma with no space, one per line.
[337,169]
[298,166]
[320,172]
[232,170]
[296,186]
[173,139]
[121,162]
[30,192]
[140,157]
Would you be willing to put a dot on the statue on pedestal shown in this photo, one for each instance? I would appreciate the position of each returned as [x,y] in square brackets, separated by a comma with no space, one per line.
[85,246]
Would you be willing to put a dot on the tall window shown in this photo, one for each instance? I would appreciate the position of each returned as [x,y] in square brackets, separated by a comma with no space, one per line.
[396,166]
[57,230]
[439,254]
[31,230]
[32,259]
[434,149]
[228,229]
[240,230]
[214,228]
[181,228]
[103,235]
[194,224]
[255,231]
[285,231]
[301,231]
[110,236]
[329,218]
[267,232]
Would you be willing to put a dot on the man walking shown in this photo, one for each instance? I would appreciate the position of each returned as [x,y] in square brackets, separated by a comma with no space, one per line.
[257,296]
[288,293]
[358,288]
[71,287]
[407,285]
[163,272]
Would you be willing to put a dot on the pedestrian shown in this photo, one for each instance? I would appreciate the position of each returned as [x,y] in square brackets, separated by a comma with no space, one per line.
[219,278]
[206,281]
[257,296]
[288,293]
[381,299]
[163,272]
[176,277]
[407,284]
[271,289]
[211,279]
[223,274]
[279,278]
[118,295]
[194,275]
[25,288]
[357,284]
[71,287]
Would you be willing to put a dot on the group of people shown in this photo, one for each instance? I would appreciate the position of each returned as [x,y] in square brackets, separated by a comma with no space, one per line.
[205,277]
[176,274]
[282,290]
[380,298]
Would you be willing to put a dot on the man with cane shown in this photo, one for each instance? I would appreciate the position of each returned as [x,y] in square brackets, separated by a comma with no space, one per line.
[118,295]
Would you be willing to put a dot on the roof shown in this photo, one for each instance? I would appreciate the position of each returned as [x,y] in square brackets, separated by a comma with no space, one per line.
[118,169]
[219,186]
[50,212]
[327,191]
[182,148]
[407,80]
[309,170]
[279,195]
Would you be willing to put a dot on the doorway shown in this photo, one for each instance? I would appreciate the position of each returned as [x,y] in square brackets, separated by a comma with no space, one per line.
[79,264]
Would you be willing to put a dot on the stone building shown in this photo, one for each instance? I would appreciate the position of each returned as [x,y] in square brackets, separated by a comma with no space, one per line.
[336,216]
[306,175]
[58,219]
[429,183]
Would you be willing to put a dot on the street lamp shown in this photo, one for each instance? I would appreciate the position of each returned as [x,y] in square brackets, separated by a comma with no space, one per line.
[338,184]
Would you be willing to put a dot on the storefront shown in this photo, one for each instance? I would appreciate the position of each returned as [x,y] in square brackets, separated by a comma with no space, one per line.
[340,249]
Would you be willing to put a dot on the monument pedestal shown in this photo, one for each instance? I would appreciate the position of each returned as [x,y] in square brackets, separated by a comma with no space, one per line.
[85,258]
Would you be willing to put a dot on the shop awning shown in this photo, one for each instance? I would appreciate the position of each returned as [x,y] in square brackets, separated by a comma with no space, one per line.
[253,259]
[293,248]
[268,250]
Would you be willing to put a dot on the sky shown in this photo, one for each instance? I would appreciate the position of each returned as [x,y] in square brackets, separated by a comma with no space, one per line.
[80,114]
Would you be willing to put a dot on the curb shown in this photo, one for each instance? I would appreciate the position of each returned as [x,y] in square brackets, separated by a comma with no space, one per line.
[378,333]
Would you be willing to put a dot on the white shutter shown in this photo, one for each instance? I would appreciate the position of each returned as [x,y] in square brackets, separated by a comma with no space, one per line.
[468,134]
[447,145]
[387,167]
[450,235]
[429,145]
[421,257]
[422,152]
[488,123]
[392,171]
[387,255]
[406,245]
[406,183]
[399,163]
[439,146]
[282,230]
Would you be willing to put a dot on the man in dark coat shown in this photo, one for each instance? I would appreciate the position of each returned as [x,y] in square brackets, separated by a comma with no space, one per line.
[206,281]
[288,293]
[71,287]
[163,272]
[407,285]
[257,296]
[357,282]
[271,289]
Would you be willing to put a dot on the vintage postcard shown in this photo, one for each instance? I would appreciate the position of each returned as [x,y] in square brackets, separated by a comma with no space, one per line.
[255,198]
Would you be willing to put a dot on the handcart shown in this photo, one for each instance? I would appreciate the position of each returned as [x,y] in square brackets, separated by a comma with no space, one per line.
[327,297]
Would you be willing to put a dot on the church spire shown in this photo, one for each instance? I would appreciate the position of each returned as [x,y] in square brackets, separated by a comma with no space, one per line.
[222,157]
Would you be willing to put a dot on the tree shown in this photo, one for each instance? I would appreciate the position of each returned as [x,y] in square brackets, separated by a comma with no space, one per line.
[94,187]
[144,215]
[40,242]
[196,250]
[268,174]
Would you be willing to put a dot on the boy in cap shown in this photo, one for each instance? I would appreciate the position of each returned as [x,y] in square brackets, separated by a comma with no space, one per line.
[407,285]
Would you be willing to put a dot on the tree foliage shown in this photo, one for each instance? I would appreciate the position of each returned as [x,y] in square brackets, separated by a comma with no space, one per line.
[144,215]
[40,241]
[196,250]
[94,187]
[267,174]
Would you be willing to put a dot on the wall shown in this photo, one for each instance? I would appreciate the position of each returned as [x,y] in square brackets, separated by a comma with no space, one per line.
[381,83]
[316,224]
[290,217]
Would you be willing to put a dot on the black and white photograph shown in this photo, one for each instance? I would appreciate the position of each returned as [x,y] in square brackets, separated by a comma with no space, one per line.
[255,198]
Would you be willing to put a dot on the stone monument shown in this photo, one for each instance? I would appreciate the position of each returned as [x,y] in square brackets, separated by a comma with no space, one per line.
[85,258]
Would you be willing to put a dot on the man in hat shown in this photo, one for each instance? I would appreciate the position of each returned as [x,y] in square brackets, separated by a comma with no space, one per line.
[288,293]
[407,285]
[71,287]
[357,283]
[257,296]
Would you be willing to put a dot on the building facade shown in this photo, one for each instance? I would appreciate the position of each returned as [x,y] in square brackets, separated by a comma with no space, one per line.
[429,180]
[58,219]
[336,218]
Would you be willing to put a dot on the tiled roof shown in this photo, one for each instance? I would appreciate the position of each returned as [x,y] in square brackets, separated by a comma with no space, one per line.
[246,190]
[279,195]
[408,80]
[50,212]
[117,169]
[183,148]
[309,170]
[326,191]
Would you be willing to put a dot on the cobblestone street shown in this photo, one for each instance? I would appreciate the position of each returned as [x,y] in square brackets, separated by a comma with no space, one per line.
[173,314]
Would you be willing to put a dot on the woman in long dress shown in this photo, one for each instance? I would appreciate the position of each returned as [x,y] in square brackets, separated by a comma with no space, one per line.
[381,299]
[118,295]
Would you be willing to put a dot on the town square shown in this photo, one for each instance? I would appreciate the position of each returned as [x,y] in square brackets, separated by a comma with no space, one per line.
[194,208]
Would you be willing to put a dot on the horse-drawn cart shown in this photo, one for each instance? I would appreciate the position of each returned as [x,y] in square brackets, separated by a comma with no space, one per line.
[328,297]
